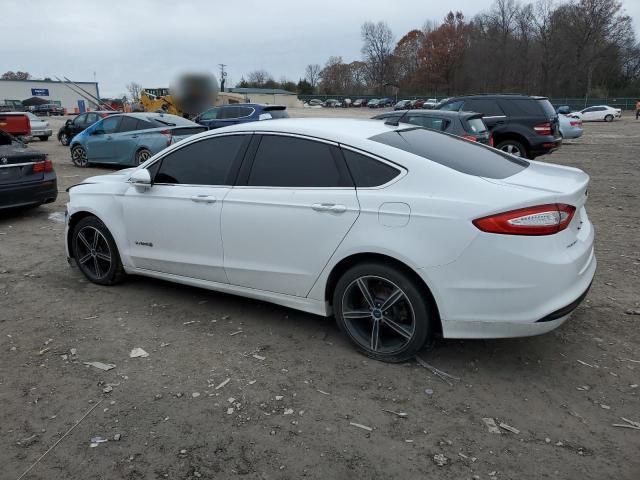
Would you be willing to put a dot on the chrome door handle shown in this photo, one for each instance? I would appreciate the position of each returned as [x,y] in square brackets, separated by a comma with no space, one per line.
[203,199]
[329,207]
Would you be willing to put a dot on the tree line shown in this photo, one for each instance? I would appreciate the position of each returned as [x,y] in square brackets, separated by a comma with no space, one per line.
[573,48]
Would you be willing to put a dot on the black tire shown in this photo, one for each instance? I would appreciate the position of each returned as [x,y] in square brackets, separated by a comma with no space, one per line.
[95,252]
[513,147]
[142,156]
[79,156]
[64,139]
[44,138]
[608,118]
[402,329]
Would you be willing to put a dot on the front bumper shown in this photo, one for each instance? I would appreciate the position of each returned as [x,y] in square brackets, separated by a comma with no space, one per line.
[45,191]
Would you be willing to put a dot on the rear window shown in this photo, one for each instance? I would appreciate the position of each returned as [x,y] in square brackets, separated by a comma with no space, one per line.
[167,120]
[455,153]
[277,113]
[521,107]
[474,125]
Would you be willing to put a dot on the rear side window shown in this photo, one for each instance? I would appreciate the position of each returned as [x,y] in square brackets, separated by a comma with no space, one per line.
[244,112]
[210,114]
[110,124]
[453,152]
[521,107]
[451,107]
[489,108]
[368,172]
[205,162]
[128,124]
[433,123]
[294,162]
[144,125]
[229,112]
[547,107]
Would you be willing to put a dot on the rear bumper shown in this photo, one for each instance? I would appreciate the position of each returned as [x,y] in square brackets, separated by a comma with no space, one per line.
[510,287]
[544,145]
[42,133]
[45,191]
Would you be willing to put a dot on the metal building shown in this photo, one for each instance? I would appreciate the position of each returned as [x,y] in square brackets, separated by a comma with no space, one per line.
[60,93]
[273,96]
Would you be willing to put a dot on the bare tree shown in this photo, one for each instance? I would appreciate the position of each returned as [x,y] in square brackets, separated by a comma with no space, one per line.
[258,78]
[312,74]
[377,50]
[16,76]
[135,90]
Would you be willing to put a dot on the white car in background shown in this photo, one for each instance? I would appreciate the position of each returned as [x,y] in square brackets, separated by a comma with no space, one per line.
[598,113]
[400,232]
[39,128]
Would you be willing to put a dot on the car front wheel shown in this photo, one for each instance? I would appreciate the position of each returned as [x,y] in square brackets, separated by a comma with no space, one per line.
[383,312]
[608,118]
[95,252]
[64,139]
[79,156]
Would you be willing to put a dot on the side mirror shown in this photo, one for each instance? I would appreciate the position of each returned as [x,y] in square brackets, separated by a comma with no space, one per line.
[141,178]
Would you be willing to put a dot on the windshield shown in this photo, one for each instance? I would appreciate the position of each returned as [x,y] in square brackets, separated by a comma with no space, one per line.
[453,152]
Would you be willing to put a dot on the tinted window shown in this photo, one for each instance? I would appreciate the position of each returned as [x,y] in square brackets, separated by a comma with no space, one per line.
[489,108]
[229,112]
[475,125]
[368,172]
[144,125]
[521,107]
[453,152]
[92,118]
[428,122]
[546,107]
[453,106]
[210,114]
[80,120]
[128,124]
[110,124]
[244,111]
[294,162]
[206,162]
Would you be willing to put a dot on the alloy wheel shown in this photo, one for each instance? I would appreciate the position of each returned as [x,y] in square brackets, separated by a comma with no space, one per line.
[512,149]
[143,156]
[378,314]
[93,253]
[64,139]
[79,156]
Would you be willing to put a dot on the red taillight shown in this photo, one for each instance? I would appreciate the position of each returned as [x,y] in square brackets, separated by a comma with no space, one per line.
[575,123]
[491,140]
[167,134]
[543,128]
[538,220]
[45,166]
[470,138]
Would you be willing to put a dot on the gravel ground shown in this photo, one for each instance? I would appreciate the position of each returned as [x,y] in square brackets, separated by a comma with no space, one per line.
[239,388]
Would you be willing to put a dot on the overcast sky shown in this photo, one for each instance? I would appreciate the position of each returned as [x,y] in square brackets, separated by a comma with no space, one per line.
[151,41]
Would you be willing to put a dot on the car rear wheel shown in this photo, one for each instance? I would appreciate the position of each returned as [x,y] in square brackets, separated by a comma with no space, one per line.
[383,312]
[79,156]
[142,156]
[608,118]
[96,253]
[513,147]
[64,139]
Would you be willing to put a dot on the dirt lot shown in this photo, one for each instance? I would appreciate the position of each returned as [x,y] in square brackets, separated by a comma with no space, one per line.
[288,415]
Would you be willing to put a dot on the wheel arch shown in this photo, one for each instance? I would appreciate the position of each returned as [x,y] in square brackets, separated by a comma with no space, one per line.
[73,221]
[346,263]
[518,137]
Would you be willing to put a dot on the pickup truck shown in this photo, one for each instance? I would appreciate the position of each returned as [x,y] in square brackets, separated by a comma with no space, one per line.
[15,123]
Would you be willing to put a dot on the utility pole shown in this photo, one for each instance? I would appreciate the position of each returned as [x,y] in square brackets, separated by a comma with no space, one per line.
[223,76]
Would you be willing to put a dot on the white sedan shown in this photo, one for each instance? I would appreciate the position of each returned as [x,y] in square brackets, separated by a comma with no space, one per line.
[598,113]
[401,233]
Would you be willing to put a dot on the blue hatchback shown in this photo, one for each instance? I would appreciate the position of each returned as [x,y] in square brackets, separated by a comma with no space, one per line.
[233,114]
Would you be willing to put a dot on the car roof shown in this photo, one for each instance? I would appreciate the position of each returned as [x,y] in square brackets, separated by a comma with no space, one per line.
[517,96]
[432,113]
[337,129]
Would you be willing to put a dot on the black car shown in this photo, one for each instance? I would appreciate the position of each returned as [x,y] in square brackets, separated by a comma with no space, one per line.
[48,109]
[27,177]
[519,124]
[467,125]
[73,127]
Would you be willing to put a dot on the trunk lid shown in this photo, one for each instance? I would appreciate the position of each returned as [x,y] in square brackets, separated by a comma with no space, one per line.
[16,164]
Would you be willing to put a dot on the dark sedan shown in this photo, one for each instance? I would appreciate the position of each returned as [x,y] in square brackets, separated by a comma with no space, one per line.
[27,177]
[232,114]
[467,125]
[73,127]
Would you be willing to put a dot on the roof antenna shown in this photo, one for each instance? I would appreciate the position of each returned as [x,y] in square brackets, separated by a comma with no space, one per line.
[395,121]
